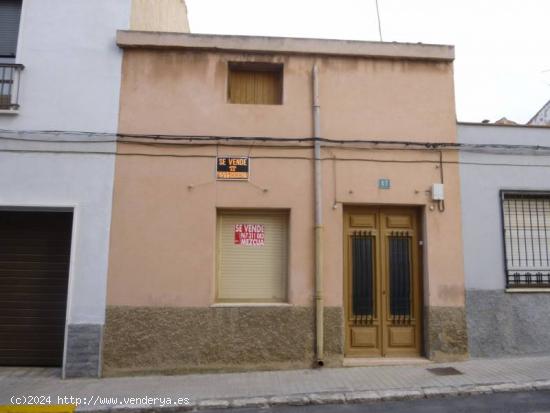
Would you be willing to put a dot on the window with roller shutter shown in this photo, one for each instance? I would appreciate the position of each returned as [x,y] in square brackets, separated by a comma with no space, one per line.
[252,251]
[10,14]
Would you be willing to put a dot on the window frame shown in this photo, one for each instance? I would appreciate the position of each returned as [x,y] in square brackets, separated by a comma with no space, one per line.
[255,66]
[527,287]
[217,301]
[9,59]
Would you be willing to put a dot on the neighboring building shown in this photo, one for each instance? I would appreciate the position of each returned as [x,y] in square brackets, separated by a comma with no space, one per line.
[542,118]
[60,70]
[506,228]
[505,121]
[209,274]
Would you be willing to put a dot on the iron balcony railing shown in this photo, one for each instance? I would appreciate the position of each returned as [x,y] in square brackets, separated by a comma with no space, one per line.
[10,79]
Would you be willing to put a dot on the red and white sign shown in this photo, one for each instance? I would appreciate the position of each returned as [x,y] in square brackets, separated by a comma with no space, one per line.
[250,235]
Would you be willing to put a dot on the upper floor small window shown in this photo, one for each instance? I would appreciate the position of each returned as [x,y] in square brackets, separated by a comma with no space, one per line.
[526,219]
[255,83]
[10,14]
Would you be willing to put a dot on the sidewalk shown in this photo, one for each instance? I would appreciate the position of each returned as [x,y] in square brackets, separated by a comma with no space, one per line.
[297,387]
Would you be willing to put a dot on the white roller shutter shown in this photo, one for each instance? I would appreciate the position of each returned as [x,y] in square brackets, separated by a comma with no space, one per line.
[252,268]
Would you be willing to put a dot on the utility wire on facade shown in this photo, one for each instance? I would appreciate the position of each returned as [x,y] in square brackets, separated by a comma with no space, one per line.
[379,21]
[295,158]
[192,140]
[274,142]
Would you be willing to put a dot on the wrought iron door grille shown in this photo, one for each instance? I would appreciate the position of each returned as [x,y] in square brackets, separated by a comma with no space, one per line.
[526,219]
[363,285]
[400,273]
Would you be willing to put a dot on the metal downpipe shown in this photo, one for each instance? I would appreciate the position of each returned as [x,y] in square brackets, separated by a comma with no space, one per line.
[319,305]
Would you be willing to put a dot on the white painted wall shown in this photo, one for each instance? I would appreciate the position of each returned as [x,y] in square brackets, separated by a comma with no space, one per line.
[480,186]
[72,64]
[84,182]
[71,82]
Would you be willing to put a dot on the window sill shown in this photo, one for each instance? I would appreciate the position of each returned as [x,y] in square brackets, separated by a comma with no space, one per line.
[9,112]
[251,305]
[527,290]
[255,104]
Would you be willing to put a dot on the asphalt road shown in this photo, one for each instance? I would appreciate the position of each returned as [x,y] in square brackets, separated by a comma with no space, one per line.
[528,402]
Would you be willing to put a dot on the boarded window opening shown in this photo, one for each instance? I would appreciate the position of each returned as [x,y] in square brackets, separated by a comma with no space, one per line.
[255,83]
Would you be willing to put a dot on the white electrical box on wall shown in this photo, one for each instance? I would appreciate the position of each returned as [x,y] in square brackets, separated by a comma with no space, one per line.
[438,192]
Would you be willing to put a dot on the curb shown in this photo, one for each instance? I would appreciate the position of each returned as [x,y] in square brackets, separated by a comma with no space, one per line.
[353,397]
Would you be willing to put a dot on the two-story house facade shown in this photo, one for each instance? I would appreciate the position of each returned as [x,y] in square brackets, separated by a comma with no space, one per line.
[283,203]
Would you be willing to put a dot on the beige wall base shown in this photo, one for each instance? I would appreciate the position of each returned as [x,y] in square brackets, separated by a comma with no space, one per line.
[157,340]
[445,332]
[149,340]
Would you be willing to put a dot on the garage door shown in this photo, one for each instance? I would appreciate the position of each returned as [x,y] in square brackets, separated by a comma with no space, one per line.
[34,272]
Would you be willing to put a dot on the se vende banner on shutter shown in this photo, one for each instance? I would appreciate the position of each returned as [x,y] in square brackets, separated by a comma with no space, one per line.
[250,235]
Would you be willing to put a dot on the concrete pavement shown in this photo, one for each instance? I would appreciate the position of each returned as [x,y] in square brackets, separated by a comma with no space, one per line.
[525,402]
[277,388]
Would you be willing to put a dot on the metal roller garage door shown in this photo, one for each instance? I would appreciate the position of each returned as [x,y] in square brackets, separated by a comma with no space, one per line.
[34,271]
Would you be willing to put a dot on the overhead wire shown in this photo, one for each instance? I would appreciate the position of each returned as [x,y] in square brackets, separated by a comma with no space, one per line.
[192,139]
[268,142]
[379,21]
[303,158]
[166,139]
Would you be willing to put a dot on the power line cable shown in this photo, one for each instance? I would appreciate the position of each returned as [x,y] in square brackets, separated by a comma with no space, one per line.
[164,139]
[304,158]
[122,138]
[379,21]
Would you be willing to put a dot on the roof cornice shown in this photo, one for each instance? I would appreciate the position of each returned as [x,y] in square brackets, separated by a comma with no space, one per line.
[285,45]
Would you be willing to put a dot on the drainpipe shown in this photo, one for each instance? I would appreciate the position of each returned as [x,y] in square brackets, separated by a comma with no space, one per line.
[319,317]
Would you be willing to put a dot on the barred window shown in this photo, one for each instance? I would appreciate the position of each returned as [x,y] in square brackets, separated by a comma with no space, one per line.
[526,219]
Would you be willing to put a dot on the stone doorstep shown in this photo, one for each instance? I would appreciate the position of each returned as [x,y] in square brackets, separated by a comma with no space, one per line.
[366,396]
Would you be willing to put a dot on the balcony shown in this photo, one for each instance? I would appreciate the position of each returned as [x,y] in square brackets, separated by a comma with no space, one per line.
[10,75]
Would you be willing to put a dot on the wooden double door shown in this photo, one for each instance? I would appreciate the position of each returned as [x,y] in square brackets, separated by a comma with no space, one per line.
[382,282]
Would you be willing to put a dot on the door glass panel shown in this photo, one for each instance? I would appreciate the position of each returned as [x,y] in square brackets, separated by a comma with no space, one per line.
[400,277]
[362,250]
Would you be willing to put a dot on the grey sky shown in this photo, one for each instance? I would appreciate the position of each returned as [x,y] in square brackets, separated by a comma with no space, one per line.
[502,65]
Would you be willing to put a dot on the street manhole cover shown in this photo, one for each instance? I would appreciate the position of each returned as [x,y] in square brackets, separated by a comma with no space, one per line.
[444,371]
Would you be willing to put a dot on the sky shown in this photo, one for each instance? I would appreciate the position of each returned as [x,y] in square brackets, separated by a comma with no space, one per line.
[502,47]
